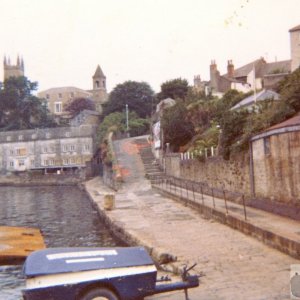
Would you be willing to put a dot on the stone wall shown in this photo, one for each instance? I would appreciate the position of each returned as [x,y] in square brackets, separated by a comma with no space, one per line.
[233,175]
[276,167]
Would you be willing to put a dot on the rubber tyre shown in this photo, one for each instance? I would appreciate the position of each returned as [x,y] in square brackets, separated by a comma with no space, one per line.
[99,294]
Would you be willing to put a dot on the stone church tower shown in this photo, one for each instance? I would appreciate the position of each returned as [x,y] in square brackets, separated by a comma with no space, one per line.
[99,88]
[295,47]
[13,70]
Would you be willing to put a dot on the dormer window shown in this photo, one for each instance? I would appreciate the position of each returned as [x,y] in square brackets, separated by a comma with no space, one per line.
[20,137]
[8,138]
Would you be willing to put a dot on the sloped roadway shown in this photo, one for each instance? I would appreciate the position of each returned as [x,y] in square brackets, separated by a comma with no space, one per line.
[236,266]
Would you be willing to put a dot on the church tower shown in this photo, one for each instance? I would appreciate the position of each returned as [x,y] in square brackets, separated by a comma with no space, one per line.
[99,88]
[13,70]
[295,47]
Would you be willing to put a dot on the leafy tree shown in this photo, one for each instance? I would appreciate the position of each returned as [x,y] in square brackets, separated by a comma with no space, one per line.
[176,89]
[19,109]
[177,128]
[79,104]
[116,122]
[289,89]
[137,95]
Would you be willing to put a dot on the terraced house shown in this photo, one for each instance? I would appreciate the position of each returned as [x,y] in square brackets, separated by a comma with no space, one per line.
[51,150]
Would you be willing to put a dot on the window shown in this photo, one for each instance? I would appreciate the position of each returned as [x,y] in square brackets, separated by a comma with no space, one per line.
[52,149]
[51,162]
[97,84]
[11,152]
[267,146]
[47,96]
[45,149]
[68,134]
[72,148]
[48,135]
[11,163]
[20,137]
[72,161]
[32,162]
[57,107]
[21,162]
[65,148]
[34,136]
[72,94]
[86,148]
[59,95]
[65,161]
[8,138]
[46,162]
[21,151]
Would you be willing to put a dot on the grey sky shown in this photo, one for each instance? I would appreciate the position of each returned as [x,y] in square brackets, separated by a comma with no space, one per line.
[62,41]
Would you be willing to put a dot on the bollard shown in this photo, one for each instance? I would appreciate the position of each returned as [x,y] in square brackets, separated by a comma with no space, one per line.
[109,201]
[202,195]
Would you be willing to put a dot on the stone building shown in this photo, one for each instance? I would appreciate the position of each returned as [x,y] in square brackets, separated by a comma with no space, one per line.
[275,156]
[99,93]
[255,75]
[58,97]
[50,150]
[295,47]
[11,70]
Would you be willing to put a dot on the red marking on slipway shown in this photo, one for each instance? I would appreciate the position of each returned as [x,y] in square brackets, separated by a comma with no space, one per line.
[125,172]
[129,148]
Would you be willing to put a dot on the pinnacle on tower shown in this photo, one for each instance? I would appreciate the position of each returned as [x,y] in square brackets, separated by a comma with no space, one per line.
[99,72]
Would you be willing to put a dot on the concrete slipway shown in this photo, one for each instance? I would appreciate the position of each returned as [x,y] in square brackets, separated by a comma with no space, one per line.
[236,265]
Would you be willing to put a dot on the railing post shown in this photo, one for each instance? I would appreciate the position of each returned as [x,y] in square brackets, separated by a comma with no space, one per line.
[187,191]
[212,193]
[202,195]
[193,192]
[245,213]
[225,201]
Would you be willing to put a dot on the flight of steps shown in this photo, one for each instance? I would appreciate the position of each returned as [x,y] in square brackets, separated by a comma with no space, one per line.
[152,168]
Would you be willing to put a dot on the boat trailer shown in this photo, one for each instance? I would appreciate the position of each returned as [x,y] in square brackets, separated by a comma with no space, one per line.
[97,273]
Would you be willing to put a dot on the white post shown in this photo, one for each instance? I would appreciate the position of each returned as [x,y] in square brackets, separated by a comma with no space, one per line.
[212,151]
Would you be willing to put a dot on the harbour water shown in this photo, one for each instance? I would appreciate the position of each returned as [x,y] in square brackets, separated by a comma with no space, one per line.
[65,216]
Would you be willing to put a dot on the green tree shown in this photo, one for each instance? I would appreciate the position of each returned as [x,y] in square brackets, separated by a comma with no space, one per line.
[19,109]
[176,89]
[137,95]
[177,128]
[79,104]
[116,122]
[289,89]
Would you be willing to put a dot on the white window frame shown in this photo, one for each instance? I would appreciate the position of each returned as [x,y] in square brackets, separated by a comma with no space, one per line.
[21,162]
[57,107]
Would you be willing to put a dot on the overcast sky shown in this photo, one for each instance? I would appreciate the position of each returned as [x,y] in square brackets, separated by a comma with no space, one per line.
[63,41]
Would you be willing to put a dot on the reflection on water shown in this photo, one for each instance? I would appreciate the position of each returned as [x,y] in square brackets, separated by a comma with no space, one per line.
[63,214]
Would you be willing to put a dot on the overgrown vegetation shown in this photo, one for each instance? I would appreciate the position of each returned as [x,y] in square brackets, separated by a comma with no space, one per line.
[203,122]
[19,108]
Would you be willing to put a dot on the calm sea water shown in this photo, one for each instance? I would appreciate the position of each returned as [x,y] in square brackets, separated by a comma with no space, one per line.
[63,214]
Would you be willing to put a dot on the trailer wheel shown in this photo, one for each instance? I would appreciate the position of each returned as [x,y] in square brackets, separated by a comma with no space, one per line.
[99,294]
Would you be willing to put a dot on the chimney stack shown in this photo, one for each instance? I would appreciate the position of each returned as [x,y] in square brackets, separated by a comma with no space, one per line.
[230,69]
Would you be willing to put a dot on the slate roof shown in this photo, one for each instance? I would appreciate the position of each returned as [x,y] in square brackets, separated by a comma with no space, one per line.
[290,122]
[99,72]
[295,28]
[283,66]
[261,96]
[246,69]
